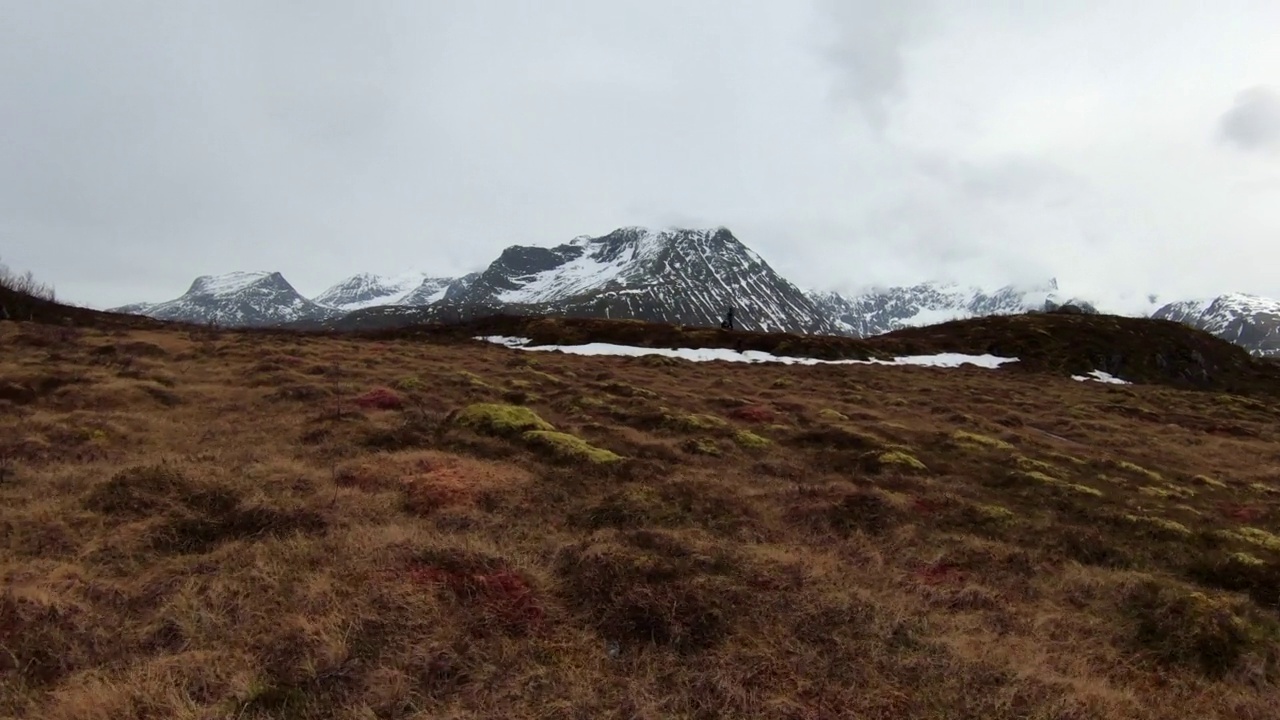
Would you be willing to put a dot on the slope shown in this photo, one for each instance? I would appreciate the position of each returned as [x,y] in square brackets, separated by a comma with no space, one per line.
[268,524]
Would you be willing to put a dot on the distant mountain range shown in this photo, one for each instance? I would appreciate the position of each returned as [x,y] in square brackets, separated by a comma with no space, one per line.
[683,276]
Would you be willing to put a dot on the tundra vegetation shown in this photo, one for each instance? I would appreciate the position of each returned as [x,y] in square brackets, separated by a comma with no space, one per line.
[234,524]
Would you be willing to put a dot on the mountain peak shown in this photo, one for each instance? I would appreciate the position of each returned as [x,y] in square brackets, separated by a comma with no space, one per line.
[232,282]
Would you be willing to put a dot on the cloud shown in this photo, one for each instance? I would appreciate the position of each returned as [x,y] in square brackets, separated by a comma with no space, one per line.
[850,142]
[866,42]
[1253,122]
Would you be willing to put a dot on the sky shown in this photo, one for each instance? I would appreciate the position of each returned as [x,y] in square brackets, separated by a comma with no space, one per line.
[1124,147]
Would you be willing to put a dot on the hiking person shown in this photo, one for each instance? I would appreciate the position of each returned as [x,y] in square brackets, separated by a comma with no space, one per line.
[728,321]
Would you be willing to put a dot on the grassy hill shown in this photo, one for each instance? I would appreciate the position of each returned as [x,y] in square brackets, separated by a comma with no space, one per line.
[410,524]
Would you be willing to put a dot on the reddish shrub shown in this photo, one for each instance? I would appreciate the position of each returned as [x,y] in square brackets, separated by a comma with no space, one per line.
[423,497]
[940,573]
[754,414]
[380,399]
[925,506]
[503,596]
[1243,513]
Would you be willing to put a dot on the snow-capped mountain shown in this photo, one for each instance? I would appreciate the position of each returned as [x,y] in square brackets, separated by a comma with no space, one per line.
[368,290]
[886,309]
[1247,320]
[680,276]
[430,290]
[683,276]
[246,299]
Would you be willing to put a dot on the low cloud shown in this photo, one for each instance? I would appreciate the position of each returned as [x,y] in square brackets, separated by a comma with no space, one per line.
[1253,122]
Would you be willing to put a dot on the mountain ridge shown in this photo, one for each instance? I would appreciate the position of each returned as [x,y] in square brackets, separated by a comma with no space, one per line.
[676,275]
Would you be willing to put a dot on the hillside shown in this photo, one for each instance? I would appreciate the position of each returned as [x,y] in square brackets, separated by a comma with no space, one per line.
[414,523]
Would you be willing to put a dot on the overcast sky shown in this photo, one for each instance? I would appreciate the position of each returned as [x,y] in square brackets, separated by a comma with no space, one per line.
[1125,146]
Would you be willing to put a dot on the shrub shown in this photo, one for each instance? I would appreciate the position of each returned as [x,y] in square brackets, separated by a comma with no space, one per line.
[1213,635]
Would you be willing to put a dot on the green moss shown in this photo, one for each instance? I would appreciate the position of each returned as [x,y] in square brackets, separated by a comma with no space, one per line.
[569,447]
[1028,465]
[967,438]
[1041,478]
[691,423]
[1138,470]
[1208,481]
[498,419]
[1244,558]
[748,439]
[1258,537]
[1071,459]
[1263,488]
[410,383]
[1165,525]
[897,458]
[832,415]
[469,378]
[544,376]
[780,383]
[1081,489]
[997,513]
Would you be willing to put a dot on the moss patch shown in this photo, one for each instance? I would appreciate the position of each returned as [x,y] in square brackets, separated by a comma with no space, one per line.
[1208,481]
[1258,537]
[693,423]
[901,460]
[832,415]
[974,439]
[498,419]
[1138,470]
[1039,467]
[471,379]
[568,447]
[1159,525]
[1043,479]
[748,439]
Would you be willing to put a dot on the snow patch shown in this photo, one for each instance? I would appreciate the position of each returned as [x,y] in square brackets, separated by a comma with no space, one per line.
[1102,377]
[226,284]
[944,360]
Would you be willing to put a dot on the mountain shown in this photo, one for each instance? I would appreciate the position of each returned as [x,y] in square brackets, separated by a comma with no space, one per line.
[430,290]
[678,276]
[887,309]
[247,299]
[1247,320]
[368,290]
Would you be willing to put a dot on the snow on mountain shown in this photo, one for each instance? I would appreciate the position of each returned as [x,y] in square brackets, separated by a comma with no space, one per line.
[677,275]
[1247,320]
[883,310]
[236,299]
[430,290]
[369,290]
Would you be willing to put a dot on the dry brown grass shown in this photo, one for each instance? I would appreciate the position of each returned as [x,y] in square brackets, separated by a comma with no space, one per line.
[201,524]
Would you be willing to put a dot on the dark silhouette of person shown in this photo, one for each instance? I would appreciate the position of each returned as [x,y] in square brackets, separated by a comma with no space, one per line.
[728,321]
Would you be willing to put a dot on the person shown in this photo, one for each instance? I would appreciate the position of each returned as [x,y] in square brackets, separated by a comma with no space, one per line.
[728,321]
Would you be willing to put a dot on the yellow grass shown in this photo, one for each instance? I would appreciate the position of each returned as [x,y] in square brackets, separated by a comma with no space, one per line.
[249,525]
